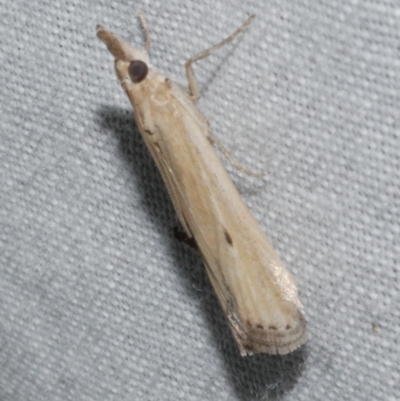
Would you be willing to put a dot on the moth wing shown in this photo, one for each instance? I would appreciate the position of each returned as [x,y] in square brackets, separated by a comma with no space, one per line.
[256,291]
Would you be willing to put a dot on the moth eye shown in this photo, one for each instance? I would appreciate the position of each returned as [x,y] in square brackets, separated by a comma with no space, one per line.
[138,70]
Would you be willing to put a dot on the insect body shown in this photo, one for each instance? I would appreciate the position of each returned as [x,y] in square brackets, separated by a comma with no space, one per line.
[254,288]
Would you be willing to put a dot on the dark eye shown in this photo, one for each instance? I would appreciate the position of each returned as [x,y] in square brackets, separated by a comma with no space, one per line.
[138,70]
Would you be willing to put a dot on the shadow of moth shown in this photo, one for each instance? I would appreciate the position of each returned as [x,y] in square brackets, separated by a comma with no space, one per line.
[256,291]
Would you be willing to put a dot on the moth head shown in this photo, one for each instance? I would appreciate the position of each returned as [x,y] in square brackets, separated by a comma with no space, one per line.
[131,64]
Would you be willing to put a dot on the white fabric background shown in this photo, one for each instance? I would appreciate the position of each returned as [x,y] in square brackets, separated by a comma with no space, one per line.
[98,301]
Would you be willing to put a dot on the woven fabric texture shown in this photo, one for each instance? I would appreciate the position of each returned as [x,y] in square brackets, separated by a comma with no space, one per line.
[98,300]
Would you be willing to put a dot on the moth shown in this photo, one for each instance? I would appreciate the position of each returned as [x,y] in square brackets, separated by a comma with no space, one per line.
[256,291]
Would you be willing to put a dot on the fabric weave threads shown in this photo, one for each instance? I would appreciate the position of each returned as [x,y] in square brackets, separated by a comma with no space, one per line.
[97,298]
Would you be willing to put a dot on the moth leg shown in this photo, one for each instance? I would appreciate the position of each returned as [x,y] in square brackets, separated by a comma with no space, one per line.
[215,141]
[146,29]
[182,236]
[192,81]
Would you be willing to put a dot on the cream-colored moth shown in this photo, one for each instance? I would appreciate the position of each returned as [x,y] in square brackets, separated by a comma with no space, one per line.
[254,288]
